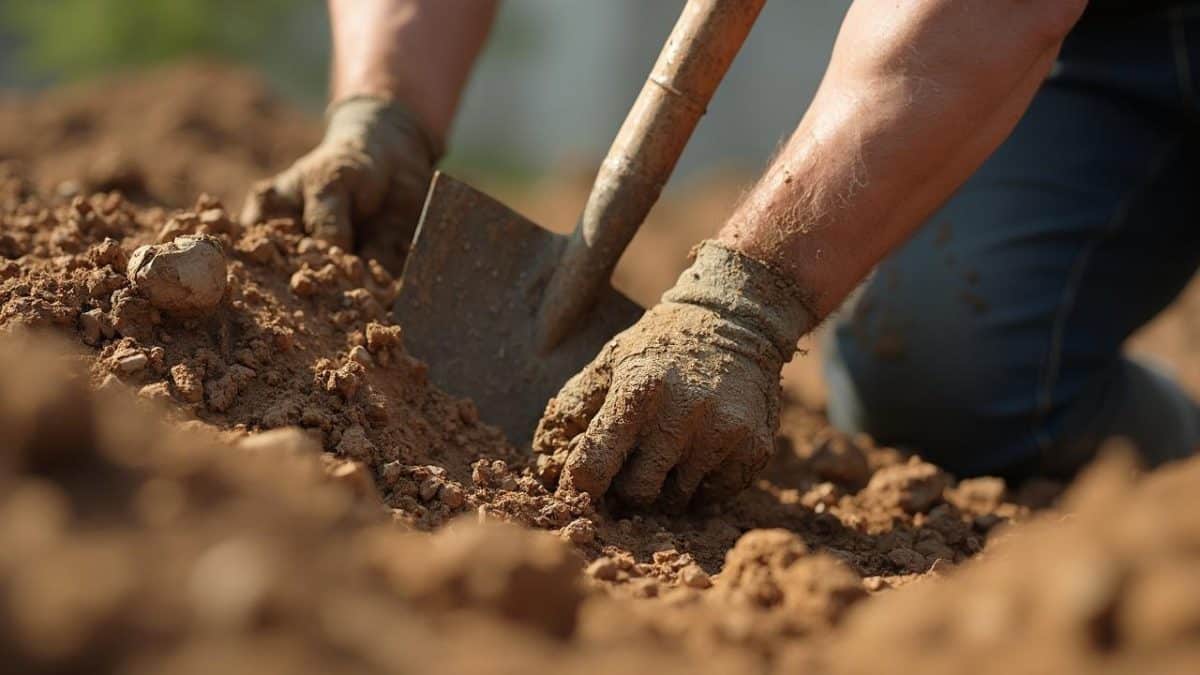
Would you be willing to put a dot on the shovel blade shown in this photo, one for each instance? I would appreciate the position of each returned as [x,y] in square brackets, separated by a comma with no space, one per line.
[468,302]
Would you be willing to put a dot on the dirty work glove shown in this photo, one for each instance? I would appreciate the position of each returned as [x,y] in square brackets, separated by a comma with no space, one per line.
[374,157]
[685,402]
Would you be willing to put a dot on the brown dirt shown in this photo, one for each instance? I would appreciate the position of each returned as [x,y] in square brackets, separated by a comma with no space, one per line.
[272,512]
[165,137]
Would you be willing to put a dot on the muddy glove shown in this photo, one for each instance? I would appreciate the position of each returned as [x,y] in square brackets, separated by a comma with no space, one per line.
[685,402]
[375,160]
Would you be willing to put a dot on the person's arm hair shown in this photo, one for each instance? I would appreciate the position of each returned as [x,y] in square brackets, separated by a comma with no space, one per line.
[419,52]
[917,95]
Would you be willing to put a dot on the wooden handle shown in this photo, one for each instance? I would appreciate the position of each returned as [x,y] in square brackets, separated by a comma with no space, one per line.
[697,55]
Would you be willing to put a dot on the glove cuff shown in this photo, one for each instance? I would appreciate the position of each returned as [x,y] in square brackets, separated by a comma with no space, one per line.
[391,113]
[748,292]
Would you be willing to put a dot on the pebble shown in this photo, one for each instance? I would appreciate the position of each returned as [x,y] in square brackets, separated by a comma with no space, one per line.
[187,275]
[132,363]
[303,283]
[452,495]
[580,532]
[429,488]
[90,326]
[360,355]
[693,576]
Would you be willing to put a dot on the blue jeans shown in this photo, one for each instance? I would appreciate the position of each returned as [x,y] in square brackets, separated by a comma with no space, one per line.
[991,342]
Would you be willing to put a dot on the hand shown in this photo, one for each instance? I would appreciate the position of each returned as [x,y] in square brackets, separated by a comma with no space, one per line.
[375,160]
[686,402]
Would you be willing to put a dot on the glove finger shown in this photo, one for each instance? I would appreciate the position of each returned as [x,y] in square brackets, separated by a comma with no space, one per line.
[571,410]
[738,471]
[707,454]
[327,213]
[610,437]
[273,198]
[662,444]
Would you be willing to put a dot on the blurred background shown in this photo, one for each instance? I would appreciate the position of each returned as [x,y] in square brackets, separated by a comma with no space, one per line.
[551,89]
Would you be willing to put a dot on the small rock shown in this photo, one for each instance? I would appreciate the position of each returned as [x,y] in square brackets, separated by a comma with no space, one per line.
[360,355]
[130,363]
[978,495]
[91,326]
[344,381]
[381,337]
[188,383]
[257,248]
[915,486]
[451,494]
[303,283]
[185,276]
[693,576]
[580,532]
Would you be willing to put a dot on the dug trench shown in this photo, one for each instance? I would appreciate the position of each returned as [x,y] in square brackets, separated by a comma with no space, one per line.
[217,453]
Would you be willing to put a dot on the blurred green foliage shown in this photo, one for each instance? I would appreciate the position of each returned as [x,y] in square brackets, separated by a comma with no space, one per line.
[80,38]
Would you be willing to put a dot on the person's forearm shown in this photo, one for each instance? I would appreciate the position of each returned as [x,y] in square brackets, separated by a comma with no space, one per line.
[917,95]
[419,52]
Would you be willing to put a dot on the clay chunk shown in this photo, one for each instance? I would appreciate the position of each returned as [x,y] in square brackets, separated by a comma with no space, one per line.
[184,276]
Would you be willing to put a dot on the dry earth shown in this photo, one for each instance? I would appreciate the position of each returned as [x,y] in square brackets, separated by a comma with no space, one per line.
[221,456]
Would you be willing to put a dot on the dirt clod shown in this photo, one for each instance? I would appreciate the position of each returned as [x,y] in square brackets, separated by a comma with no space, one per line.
[185,276]
[915,486]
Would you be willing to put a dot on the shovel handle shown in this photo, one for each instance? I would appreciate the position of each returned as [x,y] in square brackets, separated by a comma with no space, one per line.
[697,55]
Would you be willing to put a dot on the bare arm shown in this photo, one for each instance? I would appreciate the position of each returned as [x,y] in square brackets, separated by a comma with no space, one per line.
[419,52]
[399,68]
[917,95]
[684,405]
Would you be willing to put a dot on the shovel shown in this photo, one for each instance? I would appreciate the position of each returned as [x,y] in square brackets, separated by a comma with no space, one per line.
[504,311]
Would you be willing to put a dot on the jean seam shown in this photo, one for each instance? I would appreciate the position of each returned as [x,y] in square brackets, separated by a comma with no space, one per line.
[1052,362]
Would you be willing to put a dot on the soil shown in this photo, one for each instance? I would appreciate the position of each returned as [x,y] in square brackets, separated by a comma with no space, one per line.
[248,472]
